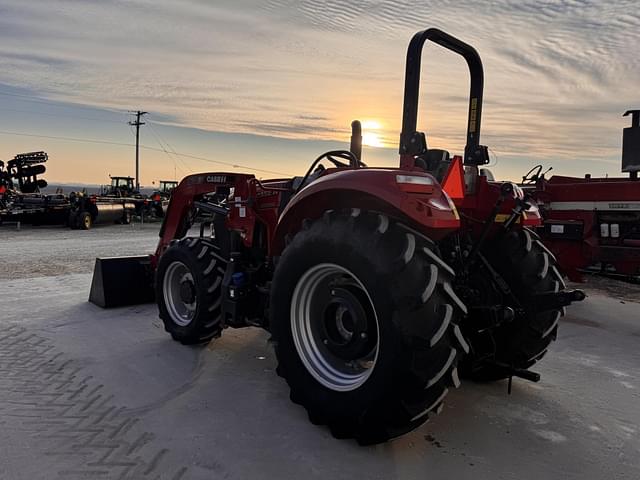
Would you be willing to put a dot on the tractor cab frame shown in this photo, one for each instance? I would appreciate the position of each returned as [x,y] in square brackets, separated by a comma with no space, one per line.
[121,187]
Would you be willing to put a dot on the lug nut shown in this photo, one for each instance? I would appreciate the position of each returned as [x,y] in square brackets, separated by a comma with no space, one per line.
[325,341]
[363,335]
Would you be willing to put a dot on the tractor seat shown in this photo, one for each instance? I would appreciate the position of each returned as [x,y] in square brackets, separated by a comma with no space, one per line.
[297,184]
[297,181]
[485,172]
[436,162]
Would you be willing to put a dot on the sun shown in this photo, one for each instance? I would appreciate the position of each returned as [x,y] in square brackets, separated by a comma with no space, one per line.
[370,137]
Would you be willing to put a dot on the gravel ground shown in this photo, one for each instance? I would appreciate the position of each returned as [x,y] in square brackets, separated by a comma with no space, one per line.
[619,289]
[50,251]
[89,393]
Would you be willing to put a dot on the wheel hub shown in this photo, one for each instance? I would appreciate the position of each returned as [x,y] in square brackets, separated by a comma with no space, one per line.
[334,327]
[179,291]
[346,325]
[187,291]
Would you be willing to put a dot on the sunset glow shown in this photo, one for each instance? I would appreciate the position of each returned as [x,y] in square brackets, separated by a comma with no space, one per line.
[213,91]
[371,131]
[371,139]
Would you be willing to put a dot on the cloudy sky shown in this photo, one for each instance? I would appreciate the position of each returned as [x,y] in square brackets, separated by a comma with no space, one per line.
[268,85]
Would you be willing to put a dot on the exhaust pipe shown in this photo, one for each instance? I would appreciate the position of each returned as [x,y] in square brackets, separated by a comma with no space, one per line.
[356,139]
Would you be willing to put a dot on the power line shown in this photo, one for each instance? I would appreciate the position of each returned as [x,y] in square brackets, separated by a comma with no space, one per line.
[72,139]
[59,115]
[175,165]
[56,103]
[234,165]
[122,144]
[173,150]
[69,139]
[20,95]
[217,161]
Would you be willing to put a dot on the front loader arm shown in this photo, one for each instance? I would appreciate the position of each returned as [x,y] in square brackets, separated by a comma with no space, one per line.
[185,196]
[119,281]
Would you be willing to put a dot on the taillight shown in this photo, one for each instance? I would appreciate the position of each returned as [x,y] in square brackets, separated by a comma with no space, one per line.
[614,229]
[415,183]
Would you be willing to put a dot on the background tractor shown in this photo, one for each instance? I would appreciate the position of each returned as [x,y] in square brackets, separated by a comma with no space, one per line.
[117,203]
[120,187]
[378,285]
[158,202]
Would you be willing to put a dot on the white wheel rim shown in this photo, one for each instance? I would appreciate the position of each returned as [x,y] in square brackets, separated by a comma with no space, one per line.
[180,311]
[335,327]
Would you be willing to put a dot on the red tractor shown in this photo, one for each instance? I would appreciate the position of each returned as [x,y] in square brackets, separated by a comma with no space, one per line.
[378,285]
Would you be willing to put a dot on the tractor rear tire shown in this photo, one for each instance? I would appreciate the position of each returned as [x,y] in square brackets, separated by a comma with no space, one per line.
[365,325]
[188,290]
[528,267]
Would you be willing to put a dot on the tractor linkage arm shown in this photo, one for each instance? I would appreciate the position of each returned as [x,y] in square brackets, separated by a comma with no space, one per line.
[506,190]
[545,301]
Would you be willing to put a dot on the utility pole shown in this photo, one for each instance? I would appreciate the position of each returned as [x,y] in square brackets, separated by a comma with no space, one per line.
[137,124]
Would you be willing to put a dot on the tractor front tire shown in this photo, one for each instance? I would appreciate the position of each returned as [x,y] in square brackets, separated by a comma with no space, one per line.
[188,290]
[528,268]
[72,220]
[365,325]
[85,221]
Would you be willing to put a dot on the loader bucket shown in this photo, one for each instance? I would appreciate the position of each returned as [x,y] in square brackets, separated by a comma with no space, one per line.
[120,281]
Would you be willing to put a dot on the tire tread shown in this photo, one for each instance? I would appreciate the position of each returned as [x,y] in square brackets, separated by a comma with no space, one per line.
[208,321]
[431,345]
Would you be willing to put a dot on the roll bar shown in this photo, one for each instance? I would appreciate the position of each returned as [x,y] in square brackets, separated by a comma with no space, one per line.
[413,142]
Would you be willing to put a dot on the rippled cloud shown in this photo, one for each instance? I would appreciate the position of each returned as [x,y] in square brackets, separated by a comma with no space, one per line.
[558,73]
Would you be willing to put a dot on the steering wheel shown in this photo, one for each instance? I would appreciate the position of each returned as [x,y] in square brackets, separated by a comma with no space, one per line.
[337,163]
[532,175]
[331,156]
[340,164]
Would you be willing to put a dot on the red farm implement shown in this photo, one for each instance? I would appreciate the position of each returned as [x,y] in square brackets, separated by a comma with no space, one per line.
[594,222]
